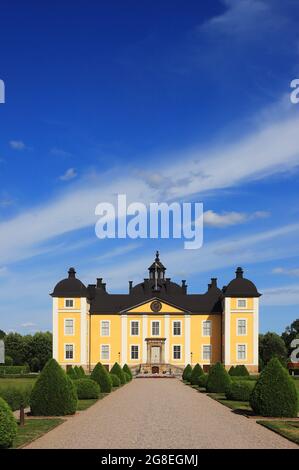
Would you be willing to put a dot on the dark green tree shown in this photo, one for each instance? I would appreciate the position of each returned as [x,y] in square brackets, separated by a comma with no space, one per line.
[291,332]
[2,334]
[272,345]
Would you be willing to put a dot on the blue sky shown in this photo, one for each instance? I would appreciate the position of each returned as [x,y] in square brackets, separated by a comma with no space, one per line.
[173,100]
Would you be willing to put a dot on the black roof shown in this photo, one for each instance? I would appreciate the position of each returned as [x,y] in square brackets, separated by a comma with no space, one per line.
[155,287]
[70,287]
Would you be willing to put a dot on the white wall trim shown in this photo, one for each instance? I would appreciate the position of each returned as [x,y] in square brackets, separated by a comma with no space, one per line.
[83,347]
[55,328]
[124,328]
[187,339]
[144,335]
[227,314]
[256,331]
[167,333]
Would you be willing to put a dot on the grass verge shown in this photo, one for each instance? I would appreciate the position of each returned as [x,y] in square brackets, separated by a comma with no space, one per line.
[288,429]
[232,404]
[33,429]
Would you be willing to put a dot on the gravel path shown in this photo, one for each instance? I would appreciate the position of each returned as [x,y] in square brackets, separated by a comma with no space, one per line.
[159,413]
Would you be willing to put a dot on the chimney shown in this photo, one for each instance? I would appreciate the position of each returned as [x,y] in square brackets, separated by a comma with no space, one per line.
[213,281]
[99,281]
[184,286]
[239,273]
[130,286]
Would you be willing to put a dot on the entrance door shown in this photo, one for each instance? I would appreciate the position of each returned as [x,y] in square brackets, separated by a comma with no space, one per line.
[155,356]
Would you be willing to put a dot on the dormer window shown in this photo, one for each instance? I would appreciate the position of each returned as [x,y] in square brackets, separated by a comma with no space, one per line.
[69,303]
[242,303]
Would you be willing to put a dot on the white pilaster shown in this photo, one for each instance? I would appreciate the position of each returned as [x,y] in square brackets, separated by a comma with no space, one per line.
[256,331]
[167,334]
[144,335]
[227,316]
[83,325]
[124,328]
[55,328]
[187,338]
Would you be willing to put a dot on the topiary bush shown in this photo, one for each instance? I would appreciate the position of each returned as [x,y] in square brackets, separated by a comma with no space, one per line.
[275,392]
[77,372]
[231,370]
[16,396]
[71,373]
[195,374]
[239,390]
[117,370]
[8,370]
[102,377]
[82,372]
[115,380]
[87,388]
[127,377]
[218,379]
[202,380]
[127,369]
[241,371]
[54,393]
[187,373]
[8,425]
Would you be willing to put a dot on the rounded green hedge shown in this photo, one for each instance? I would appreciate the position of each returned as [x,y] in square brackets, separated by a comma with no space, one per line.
[127,369]
[218,379]
[115,380]
[8,425]
[275,392]
[195,374]
[16,396]
[117,370]
[239,390]
[102,377]
[54,393]
[87,388]
[187,373]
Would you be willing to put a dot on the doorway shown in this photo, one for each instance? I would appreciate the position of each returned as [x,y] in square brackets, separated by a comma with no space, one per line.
[155,370]
[155,354]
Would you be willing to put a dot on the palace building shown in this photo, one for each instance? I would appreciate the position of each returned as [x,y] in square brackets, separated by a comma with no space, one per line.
[157,326]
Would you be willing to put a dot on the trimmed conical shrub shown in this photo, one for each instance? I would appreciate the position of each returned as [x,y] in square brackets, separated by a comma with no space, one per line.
[232,371]
[218,379]
[275,393]
[187,373]
[8,425]
[127,370]
[115,380]
[54,393]
[195,374]
[102,377]
[82,373]
[117,370]
[77,372]
[241,371]
[71,373]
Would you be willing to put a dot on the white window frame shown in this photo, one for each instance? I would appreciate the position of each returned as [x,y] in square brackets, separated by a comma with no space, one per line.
[203,333]
[156,321]
[101,322]
[241,334]
[202,352]
[134,321]
[181,352]
[101,352]
[65,301]
[238,306]
[138,352]
[69,334]
[176,321]
[66,358]
[237,355]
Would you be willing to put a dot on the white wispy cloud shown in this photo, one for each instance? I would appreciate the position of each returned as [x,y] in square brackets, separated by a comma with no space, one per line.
[284,295]
[17,144]
[59,152]
[226,219]
[68,175]
[287,271]
[28,325]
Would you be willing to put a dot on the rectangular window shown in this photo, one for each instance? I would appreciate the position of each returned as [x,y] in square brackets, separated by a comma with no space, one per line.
[177,352]
[241,327]
[206,328]
[69,351]
[105,352]
[242,303]
[207,352]
[134,328]
[155,328]
[176,328]
[134,352]
[69,303]
[241,351]
[68,326]
[105,328]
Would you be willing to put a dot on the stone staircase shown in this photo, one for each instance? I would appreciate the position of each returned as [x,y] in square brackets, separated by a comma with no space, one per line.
[157,370]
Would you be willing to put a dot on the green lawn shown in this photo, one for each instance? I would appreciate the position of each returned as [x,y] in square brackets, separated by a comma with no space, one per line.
[4,382]
[33,429]
[84,404]
[232,404]
[288,429]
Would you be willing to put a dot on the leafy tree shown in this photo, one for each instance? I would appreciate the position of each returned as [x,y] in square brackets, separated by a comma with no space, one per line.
[275,392]
[291,332]
[15,348]
[271,345]
[2,334]
[8,361]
